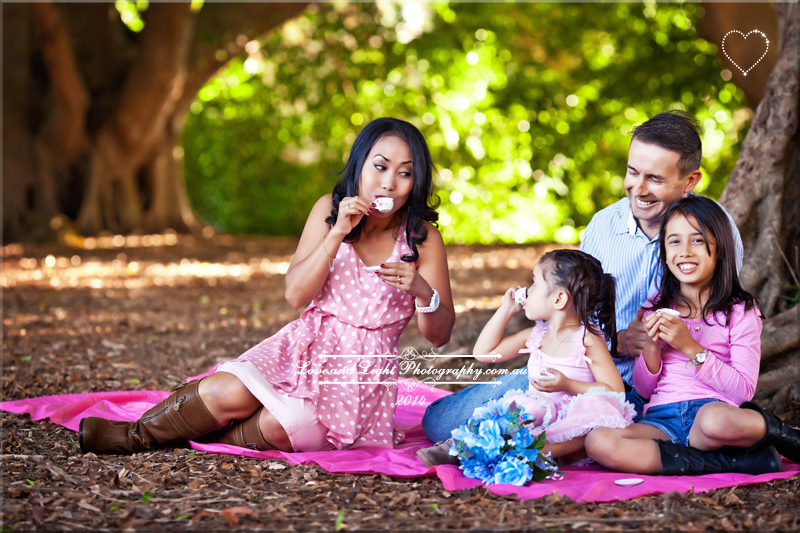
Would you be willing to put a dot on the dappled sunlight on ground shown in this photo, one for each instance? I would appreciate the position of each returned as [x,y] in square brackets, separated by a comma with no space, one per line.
[479,274]
[120,272]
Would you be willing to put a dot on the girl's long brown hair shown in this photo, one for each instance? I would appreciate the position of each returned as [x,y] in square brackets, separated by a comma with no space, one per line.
[724,289]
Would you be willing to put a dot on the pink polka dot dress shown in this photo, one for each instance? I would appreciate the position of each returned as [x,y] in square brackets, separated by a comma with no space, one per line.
[340,356]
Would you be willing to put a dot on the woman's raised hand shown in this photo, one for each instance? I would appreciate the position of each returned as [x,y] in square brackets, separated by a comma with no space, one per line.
[405,277]
[351,210]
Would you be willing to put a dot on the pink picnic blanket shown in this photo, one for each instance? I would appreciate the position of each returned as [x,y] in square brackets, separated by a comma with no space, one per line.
[592,483]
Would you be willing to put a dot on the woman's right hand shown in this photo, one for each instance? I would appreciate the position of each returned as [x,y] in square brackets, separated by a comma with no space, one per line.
[351,210]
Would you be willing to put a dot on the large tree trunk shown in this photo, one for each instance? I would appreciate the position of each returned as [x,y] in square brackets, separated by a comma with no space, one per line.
[30,209]
[762,195]
[93,112]
[124,143]
[719,19]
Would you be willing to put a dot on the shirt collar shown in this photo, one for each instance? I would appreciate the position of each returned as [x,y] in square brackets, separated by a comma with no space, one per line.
[623,221]
[632,225]
[626,223]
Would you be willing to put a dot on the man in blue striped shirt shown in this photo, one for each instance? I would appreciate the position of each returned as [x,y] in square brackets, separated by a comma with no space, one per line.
[663,166]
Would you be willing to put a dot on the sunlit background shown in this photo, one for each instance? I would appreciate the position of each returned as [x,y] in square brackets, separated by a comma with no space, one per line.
[526,107]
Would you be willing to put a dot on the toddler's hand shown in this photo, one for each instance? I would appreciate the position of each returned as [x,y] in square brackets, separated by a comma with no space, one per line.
[509,304]
[558,383]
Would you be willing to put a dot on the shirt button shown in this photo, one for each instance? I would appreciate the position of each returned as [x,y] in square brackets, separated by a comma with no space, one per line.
[697,328]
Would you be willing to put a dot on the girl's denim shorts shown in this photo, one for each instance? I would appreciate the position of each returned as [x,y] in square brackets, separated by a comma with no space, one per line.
[675,419]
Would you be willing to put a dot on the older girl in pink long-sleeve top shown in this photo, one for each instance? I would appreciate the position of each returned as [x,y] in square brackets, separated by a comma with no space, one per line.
[728,373]
[700,364]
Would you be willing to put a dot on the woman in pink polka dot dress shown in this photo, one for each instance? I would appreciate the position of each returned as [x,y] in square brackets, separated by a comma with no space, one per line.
[369,256]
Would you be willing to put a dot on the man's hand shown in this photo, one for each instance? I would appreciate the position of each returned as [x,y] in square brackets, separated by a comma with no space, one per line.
[631,341]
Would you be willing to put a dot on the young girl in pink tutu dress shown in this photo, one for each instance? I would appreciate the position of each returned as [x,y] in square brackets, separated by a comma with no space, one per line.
[574,384]
[369,256]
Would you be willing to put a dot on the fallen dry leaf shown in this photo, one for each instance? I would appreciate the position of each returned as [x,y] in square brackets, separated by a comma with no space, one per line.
[89,507]
[232,514]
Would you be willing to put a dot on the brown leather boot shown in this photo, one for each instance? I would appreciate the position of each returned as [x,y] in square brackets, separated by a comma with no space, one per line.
[244,433]
[438,454]
[180,417]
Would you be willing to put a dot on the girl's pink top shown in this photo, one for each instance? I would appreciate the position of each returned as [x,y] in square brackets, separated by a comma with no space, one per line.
[729,373]
[575,366]
[341,353]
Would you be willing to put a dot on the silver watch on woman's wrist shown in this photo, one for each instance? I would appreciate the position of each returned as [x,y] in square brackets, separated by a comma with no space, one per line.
[434,305]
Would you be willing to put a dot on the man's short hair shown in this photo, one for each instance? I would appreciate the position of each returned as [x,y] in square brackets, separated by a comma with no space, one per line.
[677,131]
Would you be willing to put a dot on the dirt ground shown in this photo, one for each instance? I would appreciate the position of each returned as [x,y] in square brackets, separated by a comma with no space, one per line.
[144,312]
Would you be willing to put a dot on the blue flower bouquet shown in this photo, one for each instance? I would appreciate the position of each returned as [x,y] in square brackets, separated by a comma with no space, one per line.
[495,447]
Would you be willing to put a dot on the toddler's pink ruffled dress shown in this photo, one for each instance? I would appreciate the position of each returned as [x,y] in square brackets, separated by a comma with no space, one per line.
[330,376]
[565,416]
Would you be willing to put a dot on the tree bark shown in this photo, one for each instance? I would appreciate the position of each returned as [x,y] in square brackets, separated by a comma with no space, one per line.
[762,195]
[62,136]
[93,112]
[148,97]
[22,209]
[721,18]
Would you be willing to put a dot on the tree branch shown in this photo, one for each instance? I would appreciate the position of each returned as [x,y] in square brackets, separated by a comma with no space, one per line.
[781,334]
[222,33]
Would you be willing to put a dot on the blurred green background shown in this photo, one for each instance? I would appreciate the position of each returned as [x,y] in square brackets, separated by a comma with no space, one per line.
[526,108]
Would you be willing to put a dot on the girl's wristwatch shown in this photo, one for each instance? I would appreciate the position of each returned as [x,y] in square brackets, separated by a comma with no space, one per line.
[699,358]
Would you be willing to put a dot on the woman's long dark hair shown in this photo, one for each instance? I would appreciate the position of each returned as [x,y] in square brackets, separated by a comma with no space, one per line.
[421,204]
[592,291]
[725,291]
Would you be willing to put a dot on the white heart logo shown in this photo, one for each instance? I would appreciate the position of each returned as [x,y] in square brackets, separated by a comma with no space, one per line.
[766,49]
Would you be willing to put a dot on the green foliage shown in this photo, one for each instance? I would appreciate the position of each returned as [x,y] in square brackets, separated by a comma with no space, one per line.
[793,296]
[130,13]
[526,108]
